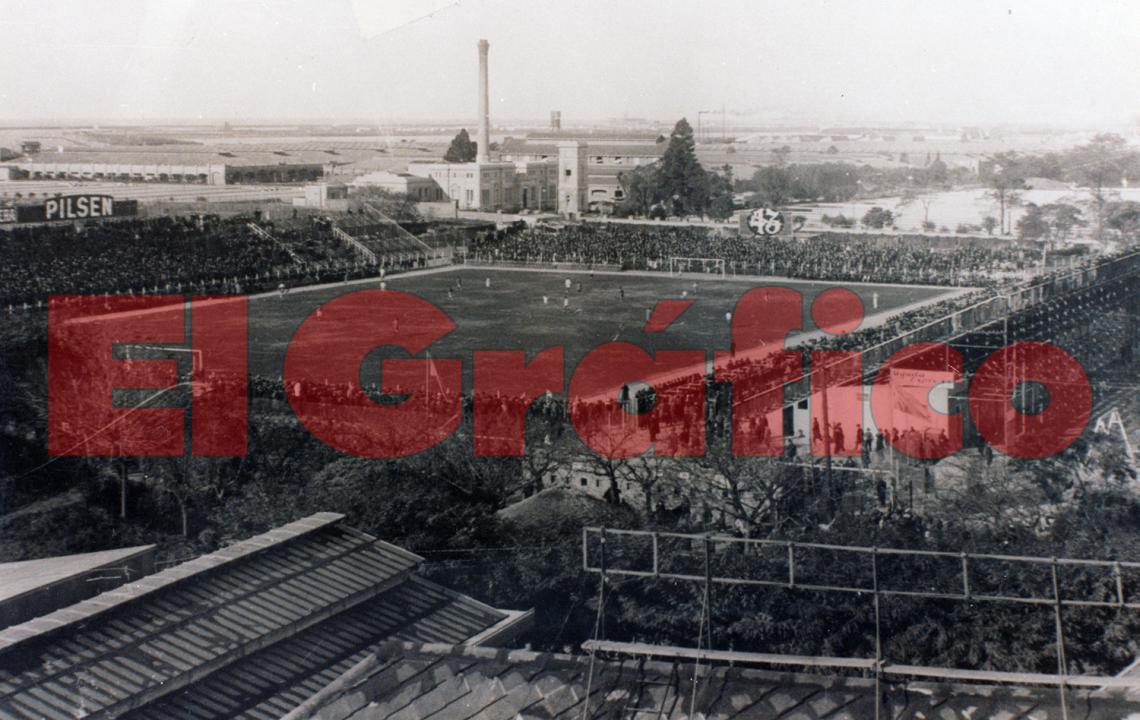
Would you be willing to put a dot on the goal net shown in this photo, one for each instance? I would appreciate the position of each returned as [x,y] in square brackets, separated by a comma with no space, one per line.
[705,265]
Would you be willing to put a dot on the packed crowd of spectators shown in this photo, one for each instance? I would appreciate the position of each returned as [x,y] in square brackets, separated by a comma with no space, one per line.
[207,253]
[832,256]
[199,254]
[118,256]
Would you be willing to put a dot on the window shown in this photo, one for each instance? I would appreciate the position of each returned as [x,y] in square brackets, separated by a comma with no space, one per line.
[568,172]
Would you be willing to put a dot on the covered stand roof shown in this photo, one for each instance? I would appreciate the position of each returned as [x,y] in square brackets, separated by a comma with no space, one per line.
[24,576]
[244,631]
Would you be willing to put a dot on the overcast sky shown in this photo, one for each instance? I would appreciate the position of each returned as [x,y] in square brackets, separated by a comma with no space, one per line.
[1063,62]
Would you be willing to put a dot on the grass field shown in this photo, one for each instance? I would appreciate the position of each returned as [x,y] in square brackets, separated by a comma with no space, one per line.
[510,314]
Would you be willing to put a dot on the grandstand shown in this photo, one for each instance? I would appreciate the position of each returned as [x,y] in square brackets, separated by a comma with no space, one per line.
[833,256]
[381,236]
[199,253]
[156,255]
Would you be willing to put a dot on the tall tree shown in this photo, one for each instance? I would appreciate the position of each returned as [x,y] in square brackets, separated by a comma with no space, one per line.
[923,198]
[1124,217]
[1033,225]
[677,182]
[641,190]
[462,148]
[721,204]
[937,172]
[683,181]
[774,185]
[1098,165]
[1063,219]
[1005,179]
[878,218]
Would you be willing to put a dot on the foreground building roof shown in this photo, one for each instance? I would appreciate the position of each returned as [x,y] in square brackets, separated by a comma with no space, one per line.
[32,587]
[418,682]
[247,631]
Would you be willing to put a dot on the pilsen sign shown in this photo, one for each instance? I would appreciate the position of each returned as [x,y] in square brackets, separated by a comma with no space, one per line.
[79,207]
[69,207]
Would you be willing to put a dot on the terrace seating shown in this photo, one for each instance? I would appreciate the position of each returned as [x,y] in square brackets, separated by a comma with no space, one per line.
[383,237]
[838,256]
[166,254]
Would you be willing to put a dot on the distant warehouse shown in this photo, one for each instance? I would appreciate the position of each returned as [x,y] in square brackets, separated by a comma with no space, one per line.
[196,166]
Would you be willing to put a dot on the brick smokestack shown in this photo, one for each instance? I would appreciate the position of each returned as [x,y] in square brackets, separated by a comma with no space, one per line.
[484,139]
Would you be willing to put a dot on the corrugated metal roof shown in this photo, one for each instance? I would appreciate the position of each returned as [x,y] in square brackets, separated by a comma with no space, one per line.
[17,578]
[600,135]
[133,645]
[513,146]
[181,156]
[272,682]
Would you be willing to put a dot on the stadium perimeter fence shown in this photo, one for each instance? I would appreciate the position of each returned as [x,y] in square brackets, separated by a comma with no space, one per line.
[874,573]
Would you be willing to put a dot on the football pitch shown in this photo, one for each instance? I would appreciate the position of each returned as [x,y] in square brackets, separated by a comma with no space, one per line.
[509,313]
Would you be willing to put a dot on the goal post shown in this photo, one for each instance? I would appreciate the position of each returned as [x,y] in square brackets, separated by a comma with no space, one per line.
[144,352]
[706,265]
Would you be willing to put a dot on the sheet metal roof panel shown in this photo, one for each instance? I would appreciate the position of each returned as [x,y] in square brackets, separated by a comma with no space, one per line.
[131,655]
[87,609]
[40,704]
[25,576]
[175,158]
[273,681]
[167,658]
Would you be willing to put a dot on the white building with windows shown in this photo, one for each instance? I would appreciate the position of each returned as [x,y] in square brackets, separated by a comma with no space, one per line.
[417,188]
[607,159]
[571,172]
[487,184]
[493,185]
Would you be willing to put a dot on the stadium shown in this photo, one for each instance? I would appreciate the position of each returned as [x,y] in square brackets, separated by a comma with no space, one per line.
[901,507]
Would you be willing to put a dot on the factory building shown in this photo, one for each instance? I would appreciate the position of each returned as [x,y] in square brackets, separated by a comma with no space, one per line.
[206,167]
[488,184]
[570,172]
[606,160]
